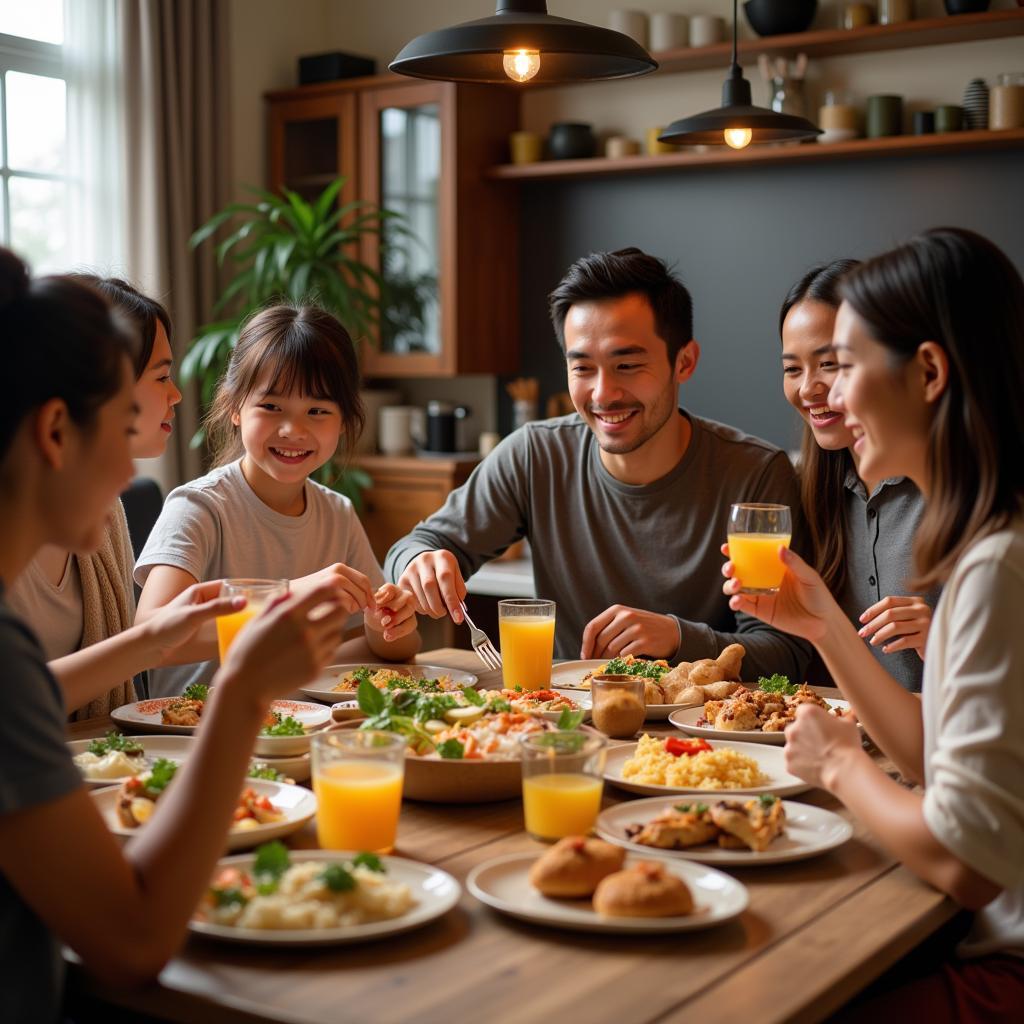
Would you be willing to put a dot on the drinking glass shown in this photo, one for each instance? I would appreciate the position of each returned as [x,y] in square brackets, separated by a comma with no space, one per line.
[258,594]
[619,704]
[357,778]
[756,532]
[526,635]
[562,782]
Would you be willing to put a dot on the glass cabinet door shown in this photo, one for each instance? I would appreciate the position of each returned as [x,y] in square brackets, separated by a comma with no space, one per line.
[409,182]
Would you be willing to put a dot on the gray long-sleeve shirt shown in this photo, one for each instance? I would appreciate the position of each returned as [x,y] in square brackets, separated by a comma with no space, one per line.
[597,541]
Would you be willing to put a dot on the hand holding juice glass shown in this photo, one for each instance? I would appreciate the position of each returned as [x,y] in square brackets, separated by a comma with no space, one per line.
[258,594]
[526,635]
[357,778]
[562,782]
[756,532]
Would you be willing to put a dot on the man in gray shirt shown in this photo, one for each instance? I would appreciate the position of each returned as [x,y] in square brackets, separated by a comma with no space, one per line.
[625,503]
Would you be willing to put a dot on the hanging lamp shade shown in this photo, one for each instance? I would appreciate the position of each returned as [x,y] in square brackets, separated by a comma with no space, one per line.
[737,122]
[550,49]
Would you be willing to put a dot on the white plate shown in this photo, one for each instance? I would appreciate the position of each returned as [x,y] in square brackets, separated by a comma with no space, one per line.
[810,831]
[686,721]
[503,884]
[297,804]
[569,675]
[173,748]
[770,760]
[296,767]
[435,891]
[322,687]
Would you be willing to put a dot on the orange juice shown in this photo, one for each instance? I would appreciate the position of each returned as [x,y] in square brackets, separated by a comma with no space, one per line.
[527,645]
[558,805]
[229,626]
[755,557]
[357,805]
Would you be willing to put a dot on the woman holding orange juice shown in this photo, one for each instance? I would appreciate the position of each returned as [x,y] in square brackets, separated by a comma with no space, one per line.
[862,528]
[289,397]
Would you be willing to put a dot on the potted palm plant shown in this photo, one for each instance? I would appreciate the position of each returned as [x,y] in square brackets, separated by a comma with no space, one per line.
[281,247]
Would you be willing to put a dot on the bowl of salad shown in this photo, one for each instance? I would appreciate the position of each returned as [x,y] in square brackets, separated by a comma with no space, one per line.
[288,727]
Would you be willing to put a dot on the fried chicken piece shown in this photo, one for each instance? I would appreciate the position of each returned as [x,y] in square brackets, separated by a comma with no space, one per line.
[646,889]
[756,822]
[653,693]
[725,688]
[705,671]
[805,695]
[677,829]
[682,692]
[182,711]
[777,721]
[737,716]
[730,660]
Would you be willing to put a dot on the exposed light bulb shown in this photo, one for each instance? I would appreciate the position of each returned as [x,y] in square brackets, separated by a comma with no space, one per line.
[521,65]
[738,138]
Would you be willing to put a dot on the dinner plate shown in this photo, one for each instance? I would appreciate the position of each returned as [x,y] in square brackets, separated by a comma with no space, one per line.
[322,687]
[435,891]
[173,748]
[145,716]
[296,767]
[297,804]
[503,883]
[686,721]
[568,675]
[780,782]
[810,831]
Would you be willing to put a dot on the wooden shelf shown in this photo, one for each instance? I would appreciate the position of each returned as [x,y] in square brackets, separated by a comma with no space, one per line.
[960,28]
[899,145]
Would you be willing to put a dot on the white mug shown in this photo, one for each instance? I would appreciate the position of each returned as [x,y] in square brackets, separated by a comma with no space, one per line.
[629,23]
[668,31]
[706,30]
[398,428]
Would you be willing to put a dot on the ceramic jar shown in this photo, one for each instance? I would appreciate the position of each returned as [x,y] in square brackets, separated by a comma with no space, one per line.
[568,140]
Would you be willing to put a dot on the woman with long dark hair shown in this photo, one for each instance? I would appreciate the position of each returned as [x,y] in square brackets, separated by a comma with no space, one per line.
[862,529]
[930,344]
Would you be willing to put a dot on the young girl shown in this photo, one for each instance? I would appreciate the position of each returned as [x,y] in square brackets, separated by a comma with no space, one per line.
[289,395]
[930,345]
[64,458]
[74,600]
[863,530]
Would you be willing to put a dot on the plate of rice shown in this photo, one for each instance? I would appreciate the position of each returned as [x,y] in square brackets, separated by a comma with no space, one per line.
[320,897]
[659,765]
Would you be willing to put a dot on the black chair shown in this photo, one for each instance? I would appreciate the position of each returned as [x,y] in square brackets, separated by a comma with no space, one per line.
[142,502]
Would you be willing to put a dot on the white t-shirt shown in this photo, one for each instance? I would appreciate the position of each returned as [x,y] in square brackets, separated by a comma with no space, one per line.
[973,706]
[217,528]
[53,611]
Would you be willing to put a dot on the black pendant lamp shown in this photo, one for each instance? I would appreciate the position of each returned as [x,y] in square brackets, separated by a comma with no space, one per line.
[737,122]
[523,43]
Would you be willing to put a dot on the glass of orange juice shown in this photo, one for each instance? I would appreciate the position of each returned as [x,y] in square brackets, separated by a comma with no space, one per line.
[756,532]
[258,594]
[526,635]
[357,778]
[562,782]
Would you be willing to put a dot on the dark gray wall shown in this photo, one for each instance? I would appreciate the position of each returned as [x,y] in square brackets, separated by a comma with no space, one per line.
[740,237]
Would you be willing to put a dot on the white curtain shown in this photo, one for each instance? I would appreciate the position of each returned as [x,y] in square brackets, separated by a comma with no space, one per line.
[96,141]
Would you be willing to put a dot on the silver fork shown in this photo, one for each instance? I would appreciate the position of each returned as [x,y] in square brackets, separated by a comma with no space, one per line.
[481,643]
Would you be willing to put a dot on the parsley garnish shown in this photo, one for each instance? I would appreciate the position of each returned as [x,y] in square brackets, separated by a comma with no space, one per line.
[160,775]
[272,860]
[777,684]
[116,741]
[499,704]
[767,799]
[473,697]
[646,669]
[370,861]
[228,897]
[569,719]
[262,770]
[337,878]
[451,750]
[196,691]
[286,726]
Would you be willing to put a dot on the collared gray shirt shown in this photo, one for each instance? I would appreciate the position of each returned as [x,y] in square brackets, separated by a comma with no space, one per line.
[880,532]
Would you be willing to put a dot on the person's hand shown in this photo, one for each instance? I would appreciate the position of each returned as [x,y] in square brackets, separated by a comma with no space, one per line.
[902,621]
[819,744]
[801,606]
[178,621]
[394,615]
[355,592]
[289,642]
[435,581]
[620,630]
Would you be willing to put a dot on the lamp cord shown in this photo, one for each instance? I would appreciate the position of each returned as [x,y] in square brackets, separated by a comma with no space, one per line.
[735,29]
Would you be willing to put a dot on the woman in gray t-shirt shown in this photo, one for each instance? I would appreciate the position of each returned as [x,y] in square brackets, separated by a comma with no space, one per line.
[65,455]
[863,532]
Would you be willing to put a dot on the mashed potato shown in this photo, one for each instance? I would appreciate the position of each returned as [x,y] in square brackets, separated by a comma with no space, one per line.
[303,900]
[710,769]
[115,764]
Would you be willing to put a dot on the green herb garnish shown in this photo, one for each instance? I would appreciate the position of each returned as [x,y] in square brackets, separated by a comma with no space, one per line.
[116,741]
[646,669]
[228,897]
[286,726]
[569,719]
[499,704]
[473,697]
[370,861]
[451,750]
[777,684]
[160,775]
[262,770]
[337,878]
[272,860]
[196,691]
[767,799]
[695,808]
[370,700]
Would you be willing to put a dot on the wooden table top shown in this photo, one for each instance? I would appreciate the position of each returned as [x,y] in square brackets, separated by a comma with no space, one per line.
[815,933]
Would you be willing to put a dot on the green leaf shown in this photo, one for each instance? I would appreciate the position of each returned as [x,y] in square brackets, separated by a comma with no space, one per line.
[326,199]
[196,691]
[161,774]
[451,750]
[228,897]
[569,719]
[338,878]
[286,726]
[473,697]
[272,860]
[777,684]
[371,700]
[370,861]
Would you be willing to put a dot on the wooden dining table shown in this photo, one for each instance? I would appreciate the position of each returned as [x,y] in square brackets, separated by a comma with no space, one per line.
[815,933]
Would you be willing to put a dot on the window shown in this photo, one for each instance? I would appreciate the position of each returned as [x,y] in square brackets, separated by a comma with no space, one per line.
[33,132]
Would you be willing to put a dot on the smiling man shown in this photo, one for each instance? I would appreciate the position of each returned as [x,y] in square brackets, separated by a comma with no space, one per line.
[625,503]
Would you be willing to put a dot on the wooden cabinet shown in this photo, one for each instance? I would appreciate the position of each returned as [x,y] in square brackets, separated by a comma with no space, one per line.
[405,491]
[420,149]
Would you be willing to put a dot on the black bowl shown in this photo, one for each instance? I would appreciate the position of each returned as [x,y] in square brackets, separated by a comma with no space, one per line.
[778,17]
[966,6]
